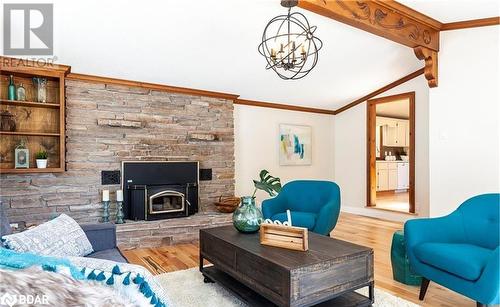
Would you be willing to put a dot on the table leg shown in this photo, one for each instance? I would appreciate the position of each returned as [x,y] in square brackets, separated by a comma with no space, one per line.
[201,263]
[371,294]
[206,279]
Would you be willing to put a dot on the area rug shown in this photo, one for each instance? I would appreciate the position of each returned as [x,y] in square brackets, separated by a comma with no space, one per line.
[186,288]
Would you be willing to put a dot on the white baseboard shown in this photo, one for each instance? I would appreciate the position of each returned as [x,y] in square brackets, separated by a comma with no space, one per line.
[381,214]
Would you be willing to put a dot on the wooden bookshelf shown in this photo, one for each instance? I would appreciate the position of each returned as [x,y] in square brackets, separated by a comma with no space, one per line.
[40,124]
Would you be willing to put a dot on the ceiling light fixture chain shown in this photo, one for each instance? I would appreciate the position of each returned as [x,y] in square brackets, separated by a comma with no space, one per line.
[291,51]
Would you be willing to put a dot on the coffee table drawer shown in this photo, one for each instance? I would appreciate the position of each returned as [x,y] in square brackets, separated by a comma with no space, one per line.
[327,279]
[218,251]
[263,273]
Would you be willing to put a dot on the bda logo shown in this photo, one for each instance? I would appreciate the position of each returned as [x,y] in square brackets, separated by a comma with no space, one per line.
[8,300]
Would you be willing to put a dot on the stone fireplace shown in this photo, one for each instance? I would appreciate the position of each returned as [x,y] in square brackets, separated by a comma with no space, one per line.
[108,123]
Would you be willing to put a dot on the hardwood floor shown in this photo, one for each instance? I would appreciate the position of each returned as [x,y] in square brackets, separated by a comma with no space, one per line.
[371,232]
[393,201]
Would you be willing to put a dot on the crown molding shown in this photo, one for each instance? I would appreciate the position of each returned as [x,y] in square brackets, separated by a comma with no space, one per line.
[41,66]
[473,23]
[280,106]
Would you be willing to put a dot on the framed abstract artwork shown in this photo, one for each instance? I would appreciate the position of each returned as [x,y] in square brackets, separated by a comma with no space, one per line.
[295,144]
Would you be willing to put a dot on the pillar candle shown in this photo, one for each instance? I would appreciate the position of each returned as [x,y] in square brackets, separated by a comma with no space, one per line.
[105,195]
[119,195]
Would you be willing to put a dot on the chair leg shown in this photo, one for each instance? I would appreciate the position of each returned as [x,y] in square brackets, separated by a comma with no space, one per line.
[478,304]
[423,288]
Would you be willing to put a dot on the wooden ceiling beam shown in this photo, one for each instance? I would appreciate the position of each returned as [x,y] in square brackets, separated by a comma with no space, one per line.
[391,20]
[386,18]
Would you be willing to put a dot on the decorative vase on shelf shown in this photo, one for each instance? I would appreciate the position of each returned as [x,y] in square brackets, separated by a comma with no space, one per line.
[247,217]
[21,93]
[11,95]
[41,89]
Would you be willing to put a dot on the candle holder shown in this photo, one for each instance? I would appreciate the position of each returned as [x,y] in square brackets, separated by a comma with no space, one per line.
[105,214]
[119,213]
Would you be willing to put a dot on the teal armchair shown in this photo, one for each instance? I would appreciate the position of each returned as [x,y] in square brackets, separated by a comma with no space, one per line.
[459,251]
[313,204]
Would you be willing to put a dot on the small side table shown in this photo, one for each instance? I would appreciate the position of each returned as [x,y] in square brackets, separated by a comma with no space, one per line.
[400,263]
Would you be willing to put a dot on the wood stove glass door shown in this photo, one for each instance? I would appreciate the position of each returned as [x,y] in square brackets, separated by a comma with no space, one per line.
[166,202]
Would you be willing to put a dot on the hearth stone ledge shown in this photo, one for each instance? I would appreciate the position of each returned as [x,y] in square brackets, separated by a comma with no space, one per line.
[145,234]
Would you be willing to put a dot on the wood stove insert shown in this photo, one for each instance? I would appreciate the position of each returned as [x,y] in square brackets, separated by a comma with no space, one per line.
[156,190]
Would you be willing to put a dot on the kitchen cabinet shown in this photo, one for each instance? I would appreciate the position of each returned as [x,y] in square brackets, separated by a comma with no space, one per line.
[383,180]
[392,175]
[407,134]
[401,133]
[393,179]
[395,132]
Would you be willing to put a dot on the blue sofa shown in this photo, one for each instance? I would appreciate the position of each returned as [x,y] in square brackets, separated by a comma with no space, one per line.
[314,205]
[459,251]
[101,236]
[103,239]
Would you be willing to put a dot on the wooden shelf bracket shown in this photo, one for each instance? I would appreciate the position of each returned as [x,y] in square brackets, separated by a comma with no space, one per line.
[431,64]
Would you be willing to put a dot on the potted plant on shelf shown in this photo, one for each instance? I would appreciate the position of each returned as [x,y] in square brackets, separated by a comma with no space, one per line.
[41,159]
[247,217]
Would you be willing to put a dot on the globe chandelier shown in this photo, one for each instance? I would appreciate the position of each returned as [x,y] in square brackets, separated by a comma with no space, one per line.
[289,45]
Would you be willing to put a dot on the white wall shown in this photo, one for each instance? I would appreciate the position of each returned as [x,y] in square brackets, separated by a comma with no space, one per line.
[350,153]
[464,118]
[256,146]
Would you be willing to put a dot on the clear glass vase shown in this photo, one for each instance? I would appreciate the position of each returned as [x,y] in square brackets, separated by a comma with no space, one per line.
[247,217]
[41,89]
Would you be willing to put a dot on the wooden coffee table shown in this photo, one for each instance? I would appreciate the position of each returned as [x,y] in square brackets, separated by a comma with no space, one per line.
[325,275]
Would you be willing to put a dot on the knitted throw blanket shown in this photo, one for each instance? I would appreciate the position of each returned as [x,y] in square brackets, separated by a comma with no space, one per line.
[134,285]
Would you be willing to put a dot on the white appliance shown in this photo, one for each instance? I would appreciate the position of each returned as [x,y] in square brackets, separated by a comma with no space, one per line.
[403,175]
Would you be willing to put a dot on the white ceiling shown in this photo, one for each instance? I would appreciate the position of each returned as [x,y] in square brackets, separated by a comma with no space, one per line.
[455,10]
[212,45]
[397,109]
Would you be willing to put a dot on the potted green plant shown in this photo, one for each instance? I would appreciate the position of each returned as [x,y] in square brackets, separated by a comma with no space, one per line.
[247,217]
[41,158]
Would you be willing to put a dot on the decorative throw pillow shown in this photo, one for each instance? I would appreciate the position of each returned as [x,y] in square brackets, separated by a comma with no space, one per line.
[61,237]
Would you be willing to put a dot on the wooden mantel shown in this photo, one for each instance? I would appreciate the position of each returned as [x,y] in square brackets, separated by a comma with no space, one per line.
[389,19]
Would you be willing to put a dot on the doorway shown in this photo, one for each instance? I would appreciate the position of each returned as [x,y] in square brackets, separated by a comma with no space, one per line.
[391,153]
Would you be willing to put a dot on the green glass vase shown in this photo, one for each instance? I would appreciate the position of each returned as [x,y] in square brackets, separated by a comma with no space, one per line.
[11,92]
[247,217]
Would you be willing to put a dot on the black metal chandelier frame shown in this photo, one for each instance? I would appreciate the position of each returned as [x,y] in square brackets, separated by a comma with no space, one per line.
[284,60]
